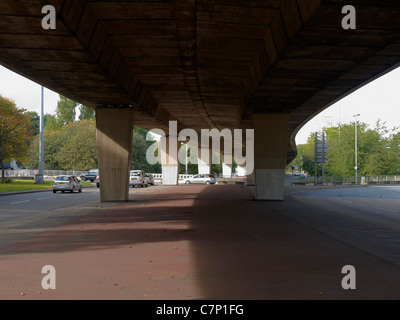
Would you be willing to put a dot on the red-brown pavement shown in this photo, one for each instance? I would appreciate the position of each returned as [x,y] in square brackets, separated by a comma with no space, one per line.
[191,242]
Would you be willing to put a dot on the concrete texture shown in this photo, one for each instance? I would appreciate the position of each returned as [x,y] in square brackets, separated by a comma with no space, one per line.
[114,130]
[270,150]
[193,242]
[205,64]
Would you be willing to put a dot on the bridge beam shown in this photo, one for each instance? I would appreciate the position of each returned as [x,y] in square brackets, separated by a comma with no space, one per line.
[114,144]
[270,149]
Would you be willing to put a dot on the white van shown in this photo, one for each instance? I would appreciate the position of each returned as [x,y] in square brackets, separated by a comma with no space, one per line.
[137,178]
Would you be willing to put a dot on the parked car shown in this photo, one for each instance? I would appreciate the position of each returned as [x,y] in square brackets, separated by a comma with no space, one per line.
[297,173]
[149,178]
[90,176]
[137,178]
[97,181]
[202,178]
[66,183]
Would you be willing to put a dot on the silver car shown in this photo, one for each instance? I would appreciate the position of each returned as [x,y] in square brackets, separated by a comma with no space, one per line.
[149,179]
[202,178]
[137,178]
[66,183]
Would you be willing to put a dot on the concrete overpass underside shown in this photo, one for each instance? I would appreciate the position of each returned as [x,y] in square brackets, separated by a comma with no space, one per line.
[267,65]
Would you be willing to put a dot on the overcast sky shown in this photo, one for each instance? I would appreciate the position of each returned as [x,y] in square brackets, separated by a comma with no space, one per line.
[378,100]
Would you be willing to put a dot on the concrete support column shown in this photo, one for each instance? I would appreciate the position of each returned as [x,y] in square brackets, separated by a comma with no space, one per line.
[227,160]
[270,150]
[226,170]
[204,160]
[114,144]
[169,160]
[241,171]
[251,179]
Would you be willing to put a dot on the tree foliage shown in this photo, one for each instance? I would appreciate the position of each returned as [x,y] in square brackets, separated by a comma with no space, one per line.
[15,132]
[74,147]
[34,119]
[51,122]
[86,113]
[377,151]
[66,110]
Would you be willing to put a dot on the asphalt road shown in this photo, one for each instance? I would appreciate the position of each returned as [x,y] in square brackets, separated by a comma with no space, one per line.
[22,215]
[365,217]
[203,242]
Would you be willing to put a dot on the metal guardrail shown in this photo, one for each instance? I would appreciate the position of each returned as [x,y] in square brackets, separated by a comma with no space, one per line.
[24,173]
[338,180]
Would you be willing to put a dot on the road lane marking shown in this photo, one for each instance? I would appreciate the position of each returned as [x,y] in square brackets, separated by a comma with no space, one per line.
[42,198]
[19,202]
[362,204]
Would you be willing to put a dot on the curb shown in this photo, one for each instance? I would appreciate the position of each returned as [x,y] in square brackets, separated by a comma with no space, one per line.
[32,191]
[23,192]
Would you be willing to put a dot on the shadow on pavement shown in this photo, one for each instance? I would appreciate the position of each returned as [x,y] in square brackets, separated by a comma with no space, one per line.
[206,242]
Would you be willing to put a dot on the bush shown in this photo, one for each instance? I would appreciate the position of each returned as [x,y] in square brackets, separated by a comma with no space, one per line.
[7,180]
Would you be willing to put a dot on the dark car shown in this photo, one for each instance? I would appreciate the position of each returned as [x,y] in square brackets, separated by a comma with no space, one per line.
[90,176]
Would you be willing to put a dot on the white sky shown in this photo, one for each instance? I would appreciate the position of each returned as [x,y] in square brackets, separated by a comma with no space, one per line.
[378,100]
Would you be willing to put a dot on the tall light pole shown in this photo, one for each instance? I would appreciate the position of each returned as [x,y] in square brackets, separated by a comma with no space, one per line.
[355,167]
[186,158]
[39,177]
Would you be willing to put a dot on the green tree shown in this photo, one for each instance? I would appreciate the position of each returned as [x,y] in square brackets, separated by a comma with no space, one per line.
[305,157]
[66,110]
[34,119]
[377,149]
[138,156]
[52,145]
[78,149]
[51,122]
[15,132]
[393,149]
[86,113]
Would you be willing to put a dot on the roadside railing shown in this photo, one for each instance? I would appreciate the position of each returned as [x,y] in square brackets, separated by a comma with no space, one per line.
[25,173]
[348,180]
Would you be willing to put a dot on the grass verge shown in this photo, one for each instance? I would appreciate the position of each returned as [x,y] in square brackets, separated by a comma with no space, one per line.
[24,185]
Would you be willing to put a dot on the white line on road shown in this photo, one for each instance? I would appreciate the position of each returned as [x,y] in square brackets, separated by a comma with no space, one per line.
[362,204]
[42,198]
[19,202]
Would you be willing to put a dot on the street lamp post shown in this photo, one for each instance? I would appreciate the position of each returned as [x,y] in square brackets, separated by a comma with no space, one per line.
[355,168]
[186,158]
[39,177]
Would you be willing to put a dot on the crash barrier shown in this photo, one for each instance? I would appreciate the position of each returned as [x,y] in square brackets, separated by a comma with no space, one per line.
[349,180]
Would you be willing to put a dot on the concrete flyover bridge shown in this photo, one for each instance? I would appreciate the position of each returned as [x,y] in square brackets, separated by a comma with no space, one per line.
[267,65]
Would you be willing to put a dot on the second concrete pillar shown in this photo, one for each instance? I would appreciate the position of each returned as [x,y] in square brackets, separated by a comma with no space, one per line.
[270,151]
